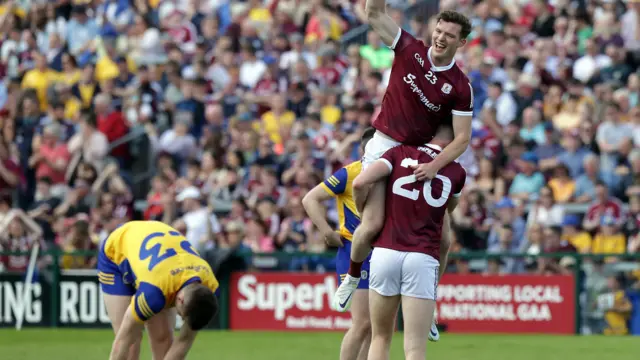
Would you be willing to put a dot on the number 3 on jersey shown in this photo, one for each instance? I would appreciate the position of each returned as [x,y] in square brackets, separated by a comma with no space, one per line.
[426,189]
[153,252]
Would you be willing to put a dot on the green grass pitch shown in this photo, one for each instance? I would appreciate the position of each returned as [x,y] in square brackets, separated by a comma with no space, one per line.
[62,344]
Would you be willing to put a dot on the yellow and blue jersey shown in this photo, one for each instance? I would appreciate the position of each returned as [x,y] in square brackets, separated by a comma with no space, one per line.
[339,185]
[151,262]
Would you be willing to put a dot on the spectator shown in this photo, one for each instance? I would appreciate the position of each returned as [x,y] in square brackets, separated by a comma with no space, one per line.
[545,212]
[39,79]
[503,102]
[296,228]
[472,220]
[197,224]
[562,184]
[610,136]
[534,246]
[573,155]
[178,141]
[533,128]
[508,265]
[379,56]
[256,237]
[632,224]
[604,207]
[51,157]
[553,243]
[616,305]
[79,239]
[609,240]
[112,124]
[89,143]
[586,183]
[630,174]
[10,174]
[81,32]
[571,232]
[19,234]
[527,184]
[507,216]
[277,122]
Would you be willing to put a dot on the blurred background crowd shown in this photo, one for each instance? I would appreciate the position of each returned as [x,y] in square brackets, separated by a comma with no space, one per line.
[218,116]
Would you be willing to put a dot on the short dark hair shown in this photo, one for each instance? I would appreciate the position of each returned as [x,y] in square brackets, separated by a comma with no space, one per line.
[367,134]
[456,18]
[201,306]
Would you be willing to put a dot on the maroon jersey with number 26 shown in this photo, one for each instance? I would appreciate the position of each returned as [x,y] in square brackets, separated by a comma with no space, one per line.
[420,96]
[414,210]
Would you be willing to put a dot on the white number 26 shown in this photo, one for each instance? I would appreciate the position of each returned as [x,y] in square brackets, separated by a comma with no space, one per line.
[426,190]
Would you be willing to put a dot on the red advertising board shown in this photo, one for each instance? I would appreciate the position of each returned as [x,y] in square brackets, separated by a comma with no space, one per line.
[507,304]
[284,301]
[466,303]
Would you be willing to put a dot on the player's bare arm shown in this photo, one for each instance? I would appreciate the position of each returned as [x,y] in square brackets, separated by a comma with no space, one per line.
[461,139]
[130,331]
[381,22]
[446,242]
[181,344]
[375,172]
[313,205]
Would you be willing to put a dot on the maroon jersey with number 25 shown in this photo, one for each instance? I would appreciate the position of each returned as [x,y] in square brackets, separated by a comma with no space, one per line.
[420,96]
[415,210]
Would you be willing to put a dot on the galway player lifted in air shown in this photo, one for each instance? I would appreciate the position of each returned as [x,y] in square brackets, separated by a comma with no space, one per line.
[355,345]
[148,271]
[407,263]
[426,89]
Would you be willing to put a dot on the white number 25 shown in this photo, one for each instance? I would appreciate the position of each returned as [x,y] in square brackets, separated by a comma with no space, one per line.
[426,190]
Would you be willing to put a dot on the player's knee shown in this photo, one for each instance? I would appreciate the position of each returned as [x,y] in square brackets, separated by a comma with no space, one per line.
[200,306]
[384,337]
[362,329]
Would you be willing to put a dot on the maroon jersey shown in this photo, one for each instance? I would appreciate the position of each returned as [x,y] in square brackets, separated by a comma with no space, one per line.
[420,96]
[414,210]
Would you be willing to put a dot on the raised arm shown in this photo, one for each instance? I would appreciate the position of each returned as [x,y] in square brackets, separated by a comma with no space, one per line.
[381,22]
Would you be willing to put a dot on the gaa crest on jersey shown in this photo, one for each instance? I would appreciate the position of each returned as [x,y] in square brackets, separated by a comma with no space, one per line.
[446,88]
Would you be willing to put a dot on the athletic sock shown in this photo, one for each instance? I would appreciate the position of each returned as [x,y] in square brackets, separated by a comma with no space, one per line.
[355,269]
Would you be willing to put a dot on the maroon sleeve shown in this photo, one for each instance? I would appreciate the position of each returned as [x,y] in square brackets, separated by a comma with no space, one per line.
[403,40]
[464,100]
[389,157]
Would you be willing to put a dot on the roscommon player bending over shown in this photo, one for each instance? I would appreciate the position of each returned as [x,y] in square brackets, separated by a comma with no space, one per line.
[148,271]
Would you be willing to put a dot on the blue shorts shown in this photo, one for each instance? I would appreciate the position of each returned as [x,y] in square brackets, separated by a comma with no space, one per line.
[114,279]
[343,258]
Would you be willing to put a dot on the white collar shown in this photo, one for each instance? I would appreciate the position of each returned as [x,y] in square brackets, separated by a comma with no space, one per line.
[434,147]
[439,68]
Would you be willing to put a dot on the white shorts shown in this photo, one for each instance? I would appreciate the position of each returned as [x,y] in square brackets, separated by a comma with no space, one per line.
[376,147]
[403,273]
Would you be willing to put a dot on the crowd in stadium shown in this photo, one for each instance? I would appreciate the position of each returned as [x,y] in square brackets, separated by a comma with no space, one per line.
[218,116]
